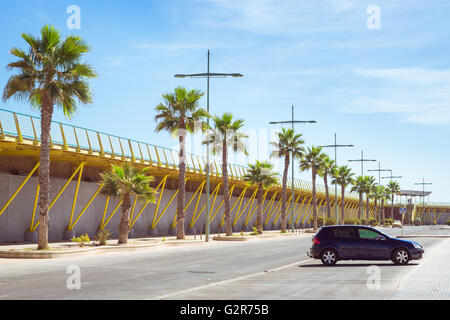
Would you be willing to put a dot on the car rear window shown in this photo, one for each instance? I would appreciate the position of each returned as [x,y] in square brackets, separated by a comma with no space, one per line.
[344,233]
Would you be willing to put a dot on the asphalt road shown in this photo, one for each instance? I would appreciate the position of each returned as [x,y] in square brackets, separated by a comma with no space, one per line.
[259,269]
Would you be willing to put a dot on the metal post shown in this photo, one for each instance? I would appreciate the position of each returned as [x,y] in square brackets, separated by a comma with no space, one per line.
[293,171]
[208,204]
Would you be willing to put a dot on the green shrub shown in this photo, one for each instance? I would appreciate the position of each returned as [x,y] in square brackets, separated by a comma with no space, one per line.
[363,222]
[373,222]
[255,231]
[81,240]
[330,221]
[447,222]
[389,221]
[102,236]
[350,221]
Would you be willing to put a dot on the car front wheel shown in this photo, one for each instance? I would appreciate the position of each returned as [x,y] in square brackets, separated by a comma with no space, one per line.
[329,257]
[400,256]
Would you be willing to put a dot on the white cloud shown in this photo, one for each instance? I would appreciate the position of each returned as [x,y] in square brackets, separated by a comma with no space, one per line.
[417,95]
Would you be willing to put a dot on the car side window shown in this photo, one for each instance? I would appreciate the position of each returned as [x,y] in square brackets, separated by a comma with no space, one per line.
[344,233]
[368,234]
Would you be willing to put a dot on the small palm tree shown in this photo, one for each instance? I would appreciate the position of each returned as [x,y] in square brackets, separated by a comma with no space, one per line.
[312,161]
[359,186]
[327,166]
[288,142]
[393,189]
[179,114]
[260,174]
[125,181]
[342,176]
[226,133]
[49,73]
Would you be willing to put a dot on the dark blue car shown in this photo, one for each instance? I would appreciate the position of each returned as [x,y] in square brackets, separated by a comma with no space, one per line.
[350,242]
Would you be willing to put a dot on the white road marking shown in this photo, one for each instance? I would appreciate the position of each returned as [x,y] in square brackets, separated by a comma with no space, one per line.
[144,274]
[165,296]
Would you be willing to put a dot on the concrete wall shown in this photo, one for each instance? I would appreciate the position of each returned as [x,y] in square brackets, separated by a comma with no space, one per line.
[16,219]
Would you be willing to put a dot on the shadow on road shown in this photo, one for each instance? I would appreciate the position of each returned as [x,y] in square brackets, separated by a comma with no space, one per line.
[356,265]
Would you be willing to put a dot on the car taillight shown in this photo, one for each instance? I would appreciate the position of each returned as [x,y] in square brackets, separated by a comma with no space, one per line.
[315,241]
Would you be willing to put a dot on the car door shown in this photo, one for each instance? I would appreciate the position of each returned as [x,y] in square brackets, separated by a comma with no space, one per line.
[372,245]
[344,238]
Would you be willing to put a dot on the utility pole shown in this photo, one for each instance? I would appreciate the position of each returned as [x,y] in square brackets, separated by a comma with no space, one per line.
[362,160]
[292,122]
[335,146]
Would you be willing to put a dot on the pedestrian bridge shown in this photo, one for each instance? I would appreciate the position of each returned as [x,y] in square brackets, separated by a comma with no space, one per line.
[78,155]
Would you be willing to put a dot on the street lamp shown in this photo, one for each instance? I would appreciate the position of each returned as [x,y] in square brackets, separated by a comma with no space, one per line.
[208,75]
[423,183]
[379,172]
[362,160]
[335,146]
[292,122]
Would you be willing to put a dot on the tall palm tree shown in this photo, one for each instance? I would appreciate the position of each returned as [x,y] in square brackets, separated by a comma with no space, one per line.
[226,134]
[342,176]
[378,194]
[125,181]
[393,189]
[288,142]
[385,194]
[312,161]
[49,73]
[370,185]
[260,174]
[359,185]
[180,113]
[327,166]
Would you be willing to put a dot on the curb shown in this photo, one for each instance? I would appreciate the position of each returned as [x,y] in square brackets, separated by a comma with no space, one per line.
[19,254]
[225,238]
[423,236]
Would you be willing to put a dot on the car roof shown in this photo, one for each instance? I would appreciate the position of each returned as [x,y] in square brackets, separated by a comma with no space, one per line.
[347,225]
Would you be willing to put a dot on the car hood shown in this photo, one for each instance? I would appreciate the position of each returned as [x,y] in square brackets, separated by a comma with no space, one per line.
[405,241]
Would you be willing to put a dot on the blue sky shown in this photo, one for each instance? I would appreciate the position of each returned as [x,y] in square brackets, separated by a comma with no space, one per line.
[386,91]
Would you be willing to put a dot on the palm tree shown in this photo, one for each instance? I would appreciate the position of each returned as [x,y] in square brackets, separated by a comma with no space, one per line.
[312,161]
[385,194]
[179,114]
[327,166]
[393,189]
[260,174]
[359,185]
[124,182]
[377,195]
[288,142]
[49,73]
[226,134]
[342,176]
[370,184]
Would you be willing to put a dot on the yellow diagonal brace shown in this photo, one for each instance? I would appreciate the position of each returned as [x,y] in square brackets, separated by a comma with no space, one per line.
[279,210]
[239,213]
[247,220]
[269,204]
[86,207]
[305,214]
[36,197]
[163,183]
[223,201]
[59,193]
[76,193]
[104,212]
[134,207]
[18,189]
[215,193]
[112,214]
[299,212]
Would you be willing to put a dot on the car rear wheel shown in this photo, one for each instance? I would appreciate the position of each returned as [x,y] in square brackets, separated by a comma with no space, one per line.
[400,256]
[329,257]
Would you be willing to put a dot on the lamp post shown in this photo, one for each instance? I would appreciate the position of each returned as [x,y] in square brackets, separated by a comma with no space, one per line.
[379,172]
[362,160]
[292,122]
[208,75]
[335,146]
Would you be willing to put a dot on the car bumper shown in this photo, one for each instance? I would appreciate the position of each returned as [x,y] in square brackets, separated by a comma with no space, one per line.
[417,254]
[313,253]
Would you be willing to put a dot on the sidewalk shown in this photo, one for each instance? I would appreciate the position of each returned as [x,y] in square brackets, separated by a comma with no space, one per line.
[431,280]
[66,249]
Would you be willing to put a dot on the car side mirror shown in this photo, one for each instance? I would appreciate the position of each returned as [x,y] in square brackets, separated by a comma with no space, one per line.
[381,238]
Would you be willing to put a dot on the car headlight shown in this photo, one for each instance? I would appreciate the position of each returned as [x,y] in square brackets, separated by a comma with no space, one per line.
[417,246]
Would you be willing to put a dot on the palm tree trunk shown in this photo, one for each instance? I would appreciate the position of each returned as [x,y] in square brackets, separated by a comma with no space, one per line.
[226,198]
[124,226]
[315,226]
[360,206]
[327,193]
[259,210]
[44,172]
[392,207]
[284,193]
[181,182]
[342,204]
[376,209]
[367,207]
[382,211]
